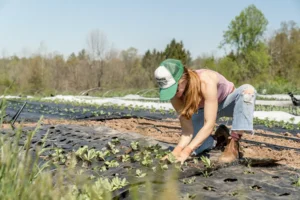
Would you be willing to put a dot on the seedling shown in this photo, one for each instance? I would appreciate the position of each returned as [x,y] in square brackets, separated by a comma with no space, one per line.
[115,141]
[103,169]
[114,184]
[89,155]
[233,194]
[103,154]
[139,173]
[134,145]
[248,172]
[136,156]
[164,167]
[206,174]
[58,156]
[153,169]
[115,151]
[171,158]
[112,163]
[189,196]
[146,161]
[111,145]
[206,161]
[189,180]
[297,183]
[125,158]
[81,151]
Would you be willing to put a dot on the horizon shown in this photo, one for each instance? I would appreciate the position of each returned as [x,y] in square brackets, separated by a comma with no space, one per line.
[63,27]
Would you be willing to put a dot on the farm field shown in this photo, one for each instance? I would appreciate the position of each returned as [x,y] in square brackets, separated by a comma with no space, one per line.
[124,141]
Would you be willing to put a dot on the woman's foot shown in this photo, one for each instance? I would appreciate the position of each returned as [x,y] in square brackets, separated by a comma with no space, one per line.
[231,152]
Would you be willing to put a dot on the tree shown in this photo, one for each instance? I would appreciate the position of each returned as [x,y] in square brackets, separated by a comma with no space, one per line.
[176,50]
[248,53]
[284,49]
[246,30]
[97,47]
[150,62]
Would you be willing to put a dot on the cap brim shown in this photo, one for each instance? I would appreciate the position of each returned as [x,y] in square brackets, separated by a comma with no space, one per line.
[168,93]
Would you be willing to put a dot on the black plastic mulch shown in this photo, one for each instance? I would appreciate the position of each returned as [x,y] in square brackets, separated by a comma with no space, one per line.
[264,180]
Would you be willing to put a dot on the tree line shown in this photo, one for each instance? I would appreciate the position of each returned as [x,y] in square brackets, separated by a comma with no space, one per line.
[271,63]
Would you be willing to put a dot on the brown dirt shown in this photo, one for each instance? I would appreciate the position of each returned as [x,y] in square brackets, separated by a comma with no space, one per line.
[169,131]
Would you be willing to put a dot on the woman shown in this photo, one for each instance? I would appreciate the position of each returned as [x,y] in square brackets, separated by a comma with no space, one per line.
[200,97]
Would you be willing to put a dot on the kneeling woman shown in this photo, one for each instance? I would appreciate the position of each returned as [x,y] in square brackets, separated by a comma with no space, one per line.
[200,97]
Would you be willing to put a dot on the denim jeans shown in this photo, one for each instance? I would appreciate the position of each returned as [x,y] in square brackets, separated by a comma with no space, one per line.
[237,105]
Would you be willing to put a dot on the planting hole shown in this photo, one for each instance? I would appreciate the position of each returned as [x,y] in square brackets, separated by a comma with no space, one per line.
[255,187]
[275,177]
[230,180]
[62,140]
[209,188]
[284,194]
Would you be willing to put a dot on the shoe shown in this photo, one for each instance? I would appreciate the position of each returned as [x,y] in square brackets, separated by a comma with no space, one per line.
[221,136]
[231,152]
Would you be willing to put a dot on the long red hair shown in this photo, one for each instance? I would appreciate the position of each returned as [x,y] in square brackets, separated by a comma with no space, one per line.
[192,94]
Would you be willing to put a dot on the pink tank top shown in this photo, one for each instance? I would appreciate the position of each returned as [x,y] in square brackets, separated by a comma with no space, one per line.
[225,87]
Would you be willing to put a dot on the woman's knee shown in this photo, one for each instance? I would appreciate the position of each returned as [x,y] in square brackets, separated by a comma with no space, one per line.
[248,93]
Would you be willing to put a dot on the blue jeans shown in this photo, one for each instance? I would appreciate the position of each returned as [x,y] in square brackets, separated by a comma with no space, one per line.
[237,105]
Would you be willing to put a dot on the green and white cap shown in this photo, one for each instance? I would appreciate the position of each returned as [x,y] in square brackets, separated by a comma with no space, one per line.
[167,76]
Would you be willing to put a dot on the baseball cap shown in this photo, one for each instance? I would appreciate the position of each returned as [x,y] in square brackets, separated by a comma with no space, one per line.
[167,76]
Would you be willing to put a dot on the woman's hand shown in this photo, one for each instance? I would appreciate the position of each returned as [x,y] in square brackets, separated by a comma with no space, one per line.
[185,154]
[176,152]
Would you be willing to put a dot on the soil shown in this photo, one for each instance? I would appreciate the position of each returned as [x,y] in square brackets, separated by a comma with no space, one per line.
[284,146]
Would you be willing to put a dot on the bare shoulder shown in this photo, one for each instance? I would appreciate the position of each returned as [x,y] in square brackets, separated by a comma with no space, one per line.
[209,77]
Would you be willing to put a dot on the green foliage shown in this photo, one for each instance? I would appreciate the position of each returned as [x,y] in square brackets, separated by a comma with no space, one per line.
[176,50]
[206,161]
[245,31]
[140,174]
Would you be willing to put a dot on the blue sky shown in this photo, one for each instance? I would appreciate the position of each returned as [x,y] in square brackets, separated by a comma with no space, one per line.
[63,25]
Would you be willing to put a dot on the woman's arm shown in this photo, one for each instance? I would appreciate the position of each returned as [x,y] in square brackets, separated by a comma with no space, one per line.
[209,81]
[186,125]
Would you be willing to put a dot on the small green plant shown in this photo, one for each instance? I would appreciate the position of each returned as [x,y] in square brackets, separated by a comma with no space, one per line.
[112,163]
[248,172]
[206,161]
[139,173]
[115,141]
[171,158]
[134,145]
[81,151]
[103,154]
[115,151]
[89,155]
[297,183]
[189,180]
[111,185]
[164,166]
[188,196]
[58,156]
[125,158]
[206,173]
[137,156]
